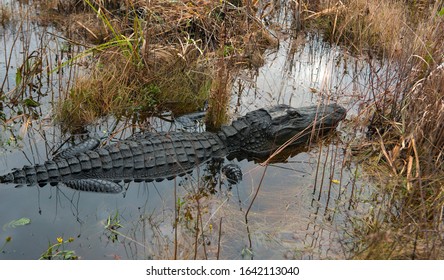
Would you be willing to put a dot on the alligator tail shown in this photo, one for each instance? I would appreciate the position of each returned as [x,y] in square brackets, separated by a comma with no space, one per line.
[8,178]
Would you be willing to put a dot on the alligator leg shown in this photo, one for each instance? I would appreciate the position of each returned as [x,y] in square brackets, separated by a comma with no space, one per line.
[233,173]
[94,185]
[87,145]
[190,120]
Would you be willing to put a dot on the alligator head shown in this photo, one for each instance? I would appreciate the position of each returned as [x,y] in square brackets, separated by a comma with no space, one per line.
[263,131]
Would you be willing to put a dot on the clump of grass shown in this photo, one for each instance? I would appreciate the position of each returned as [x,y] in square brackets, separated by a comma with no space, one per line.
[362,25]
[125,89]
[75,6]
[405,117]
[407,126]
[112,225]
[181,75]
[101,93]
[5,14]
[167,59]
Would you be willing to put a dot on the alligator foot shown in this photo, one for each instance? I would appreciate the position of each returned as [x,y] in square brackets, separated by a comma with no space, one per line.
[191,121]
[94,185]
[87,145]
[233,173]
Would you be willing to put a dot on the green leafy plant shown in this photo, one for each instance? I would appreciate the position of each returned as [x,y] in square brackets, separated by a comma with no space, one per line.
[57,251]
[15,223]
[7,240]
[112,225]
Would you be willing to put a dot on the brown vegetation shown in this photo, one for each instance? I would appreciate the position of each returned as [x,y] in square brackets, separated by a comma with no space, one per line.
[170,53]
[404,120]
[5,14]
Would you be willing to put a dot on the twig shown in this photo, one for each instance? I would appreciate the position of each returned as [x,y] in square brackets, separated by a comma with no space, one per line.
[251,204]
[219,238]
[176,222]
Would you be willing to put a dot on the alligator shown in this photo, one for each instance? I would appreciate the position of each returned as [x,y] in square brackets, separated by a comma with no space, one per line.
[149,156]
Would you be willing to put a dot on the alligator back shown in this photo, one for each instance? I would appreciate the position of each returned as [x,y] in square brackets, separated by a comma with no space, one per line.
[144,157]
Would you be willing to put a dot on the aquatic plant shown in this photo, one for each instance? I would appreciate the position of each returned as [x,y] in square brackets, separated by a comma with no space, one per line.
[402,118]
[57,251]
[112,225]
[7,240]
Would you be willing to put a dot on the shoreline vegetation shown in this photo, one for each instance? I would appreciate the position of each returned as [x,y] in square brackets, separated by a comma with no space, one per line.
[179,54]
[145,57]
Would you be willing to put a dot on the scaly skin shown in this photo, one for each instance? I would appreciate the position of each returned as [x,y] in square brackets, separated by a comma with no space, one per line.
[159,156]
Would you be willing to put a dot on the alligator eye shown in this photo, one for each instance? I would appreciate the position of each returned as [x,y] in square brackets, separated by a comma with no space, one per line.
[293,113]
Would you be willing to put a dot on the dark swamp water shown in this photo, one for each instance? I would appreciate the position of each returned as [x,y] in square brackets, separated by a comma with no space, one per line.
[305,207]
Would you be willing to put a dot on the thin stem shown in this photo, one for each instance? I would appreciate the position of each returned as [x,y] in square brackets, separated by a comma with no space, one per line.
[251,204]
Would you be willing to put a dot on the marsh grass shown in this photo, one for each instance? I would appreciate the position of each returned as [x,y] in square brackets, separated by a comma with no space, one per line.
[81,106]
[363,26]
[27,84]
[175,62]
[403,118]
[5,14]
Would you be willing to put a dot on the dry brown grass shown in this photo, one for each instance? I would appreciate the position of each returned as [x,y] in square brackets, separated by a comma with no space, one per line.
[87,101]
[404,118]
[174,47]
[406,125]
[5,14]
[363,25]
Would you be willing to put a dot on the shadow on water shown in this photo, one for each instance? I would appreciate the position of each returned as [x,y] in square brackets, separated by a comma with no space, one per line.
[303,205]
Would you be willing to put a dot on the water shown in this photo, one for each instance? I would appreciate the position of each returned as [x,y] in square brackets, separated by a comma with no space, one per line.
[304,207]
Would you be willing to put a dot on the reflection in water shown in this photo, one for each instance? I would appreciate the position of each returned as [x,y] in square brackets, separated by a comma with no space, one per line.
[290,216]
